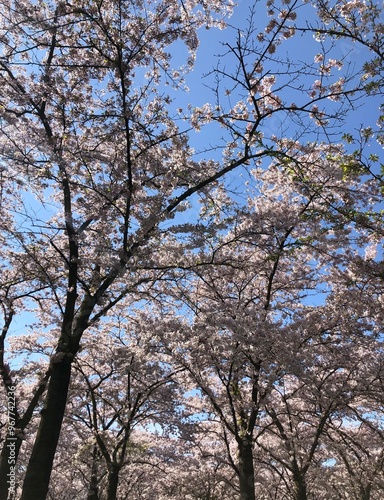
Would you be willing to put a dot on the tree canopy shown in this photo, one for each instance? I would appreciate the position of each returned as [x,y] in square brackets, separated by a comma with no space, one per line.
[191,224]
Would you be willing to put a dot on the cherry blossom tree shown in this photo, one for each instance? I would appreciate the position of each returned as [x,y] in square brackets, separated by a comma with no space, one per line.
[90,147]
[231,300]
[271,368]
[23,389]
[130,386]
[98,177]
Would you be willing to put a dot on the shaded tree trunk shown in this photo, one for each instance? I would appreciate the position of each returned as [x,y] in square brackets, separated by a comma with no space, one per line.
[300,487]
[246,471]
[365,492]
[39,468]
[8,459]
[113,481]
[93,491]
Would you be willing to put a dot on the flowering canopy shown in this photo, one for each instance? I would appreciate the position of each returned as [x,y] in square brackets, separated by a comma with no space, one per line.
[216,305]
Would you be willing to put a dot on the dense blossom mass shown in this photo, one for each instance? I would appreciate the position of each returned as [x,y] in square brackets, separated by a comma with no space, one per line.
[191,274]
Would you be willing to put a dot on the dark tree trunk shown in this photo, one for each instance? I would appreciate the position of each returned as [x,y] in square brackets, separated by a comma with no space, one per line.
[246,471]
[300,488]
[365,492]
[8,459]
[93,492]
[39,468]
[113,481]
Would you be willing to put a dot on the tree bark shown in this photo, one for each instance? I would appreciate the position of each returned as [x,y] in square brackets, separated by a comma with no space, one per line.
[113,481]
[246,471]
[8,459]
[39,468]
[93,491]
[300,488]
[365,492]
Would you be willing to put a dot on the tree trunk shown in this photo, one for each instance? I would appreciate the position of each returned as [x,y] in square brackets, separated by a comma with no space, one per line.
[246,471]
[93,491]
[39,468]
[300,488]
[113,481]
[365,492]
[8,460]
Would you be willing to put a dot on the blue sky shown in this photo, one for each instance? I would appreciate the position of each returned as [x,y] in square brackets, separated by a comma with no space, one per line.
[301,47]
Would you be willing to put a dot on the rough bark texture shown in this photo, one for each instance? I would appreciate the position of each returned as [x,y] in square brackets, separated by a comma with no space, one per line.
[39,469]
